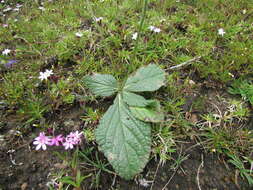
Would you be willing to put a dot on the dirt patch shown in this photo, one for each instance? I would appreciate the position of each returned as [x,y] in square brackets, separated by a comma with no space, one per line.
[23,167]
[199,170]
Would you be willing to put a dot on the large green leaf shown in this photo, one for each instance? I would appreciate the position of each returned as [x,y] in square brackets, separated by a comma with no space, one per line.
[101,85]
[133,99]
[149,78]
[124,139]
[151,113]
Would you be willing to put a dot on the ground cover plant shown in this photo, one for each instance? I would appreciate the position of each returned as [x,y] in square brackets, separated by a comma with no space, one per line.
[201,134]
[123,135]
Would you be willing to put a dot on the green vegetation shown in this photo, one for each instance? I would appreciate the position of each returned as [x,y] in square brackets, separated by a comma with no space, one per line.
[76,38]
[122,135]
[243,88]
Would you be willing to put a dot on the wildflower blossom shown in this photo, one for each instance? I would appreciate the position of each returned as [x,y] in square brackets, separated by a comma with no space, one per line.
[157,30]
[56,140]
[45,75]
[19,5]
[7,9]
[41,141]
[154,29]
[134,36]
[79,34]
[98,19]
[42,8]
[143,182]
[49,72]
[221,32]
[68,145]
[10,63]
[151,28]
[6,52]
[75,137]
[72,139]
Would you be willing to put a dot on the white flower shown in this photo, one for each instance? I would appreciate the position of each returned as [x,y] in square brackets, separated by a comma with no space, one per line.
[151,28]
[134,36]
[79,34]
[7,9]
[18,5]
[5,25]
[16,9]
[154,29]
[49,72]
[42,8]
[41,141]
[6,52]
[244,11]
[221,32]
[98,19]
[45,75]
[143,182]
[157,30]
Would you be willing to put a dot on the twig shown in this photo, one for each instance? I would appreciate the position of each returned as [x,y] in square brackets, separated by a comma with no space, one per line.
[155,176]
[184,63]
[200,166]
[170,179]
[175,170]
[114,179]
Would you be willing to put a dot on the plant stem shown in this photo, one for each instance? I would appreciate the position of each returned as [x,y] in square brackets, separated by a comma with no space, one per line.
[144,10]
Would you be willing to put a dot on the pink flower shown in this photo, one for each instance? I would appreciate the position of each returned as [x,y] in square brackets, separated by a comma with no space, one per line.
[56,140]
[68,145]
[75,137]
[41,141]
[72,139]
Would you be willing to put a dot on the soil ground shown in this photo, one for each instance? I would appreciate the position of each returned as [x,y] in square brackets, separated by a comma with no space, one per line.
[21,167]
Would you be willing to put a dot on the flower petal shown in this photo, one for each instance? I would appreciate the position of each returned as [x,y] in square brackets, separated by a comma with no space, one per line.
[44,147]
[38,147]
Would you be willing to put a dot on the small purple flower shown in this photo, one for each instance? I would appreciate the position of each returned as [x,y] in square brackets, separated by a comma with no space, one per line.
[56,140]
[41,141]
[10,63]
